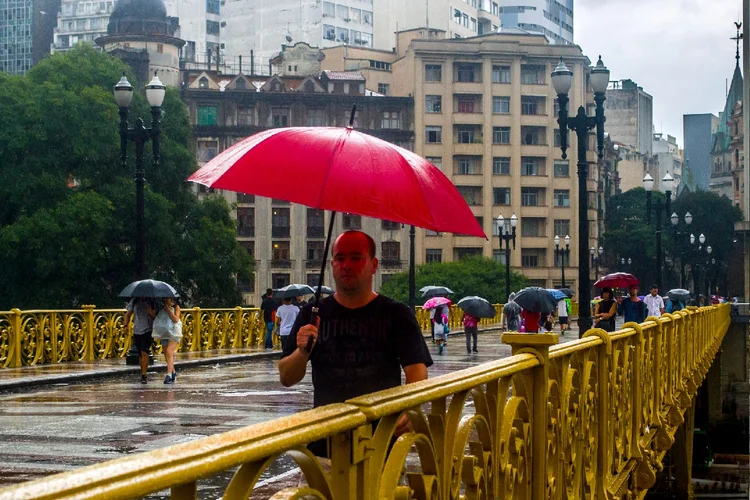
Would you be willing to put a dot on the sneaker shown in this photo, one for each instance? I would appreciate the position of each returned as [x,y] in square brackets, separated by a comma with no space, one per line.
[168,379]
[468,351]
[475,350]
[144,379]
[174,377]
[440,348]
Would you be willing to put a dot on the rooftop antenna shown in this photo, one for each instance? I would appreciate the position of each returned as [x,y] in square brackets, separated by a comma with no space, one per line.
[737,39]
[427,14]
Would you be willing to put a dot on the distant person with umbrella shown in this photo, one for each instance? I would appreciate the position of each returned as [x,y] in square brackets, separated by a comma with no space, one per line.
[168,328]
[143,309]
[632,307]
[605,311]
[474,308]
[361,340]
[511,315]
[268,307]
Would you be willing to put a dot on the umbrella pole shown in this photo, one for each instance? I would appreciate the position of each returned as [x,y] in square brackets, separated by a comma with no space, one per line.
[314,314]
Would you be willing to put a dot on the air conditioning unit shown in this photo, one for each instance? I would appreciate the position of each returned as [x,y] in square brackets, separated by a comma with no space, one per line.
[347,19]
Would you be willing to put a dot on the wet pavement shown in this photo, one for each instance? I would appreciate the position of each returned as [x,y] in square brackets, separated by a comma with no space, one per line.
[60,427]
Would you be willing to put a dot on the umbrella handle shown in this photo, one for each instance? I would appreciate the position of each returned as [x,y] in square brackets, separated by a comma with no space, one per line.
[313,320]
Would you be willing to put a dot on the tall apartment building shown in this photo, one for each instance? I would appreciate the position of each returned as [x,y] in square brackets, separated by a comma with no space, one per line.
[667,159]
[261,27]
[630,115]
[551,18]
[25,33]
[455,18]
[81,21]
[485,113]
[698,130]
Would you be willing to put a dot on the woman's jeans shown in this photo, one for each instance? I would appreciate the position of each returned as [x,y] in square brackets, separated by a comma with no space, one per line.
[269,335]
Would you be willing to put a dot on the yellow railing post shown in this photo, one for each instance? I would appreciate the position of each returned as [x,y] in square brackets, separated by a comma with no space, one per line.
[237,327]
[537,344]
[197,320]
[604,438]
[88,341]
[14,352]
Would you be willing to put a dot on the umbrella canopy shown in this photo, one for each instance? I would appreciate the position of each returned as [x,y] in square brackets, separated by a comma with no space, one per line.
[556,294]
[568,292]
[432,291]
[536,299]
[342,170]
[149,288]
[679,294]
[477,307]
[436,301]
[325,290]
[617,280]
[293,290]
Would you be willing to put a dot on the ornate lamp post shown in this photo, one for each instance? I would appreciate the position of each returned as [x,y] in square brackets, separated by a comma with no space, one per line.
[675,219]
[562,79]
[595,259]
[696,273]
[139,134]
[648,185]
[561,254]
[629,262]
[506,231]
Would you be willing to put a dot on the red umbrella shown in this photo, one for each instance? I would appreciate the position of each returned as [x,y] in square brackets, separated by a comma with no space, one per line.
[617,280]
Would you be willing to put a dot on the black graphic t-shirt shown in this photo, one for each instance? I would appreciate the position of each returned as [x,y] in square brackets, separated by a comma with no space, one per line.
[359,351]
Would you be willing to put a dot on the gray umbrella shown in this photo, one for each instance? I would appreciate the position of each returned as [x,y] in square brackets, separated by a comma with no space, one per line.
[149,288]
[679,294]
[293,290]
[434,291]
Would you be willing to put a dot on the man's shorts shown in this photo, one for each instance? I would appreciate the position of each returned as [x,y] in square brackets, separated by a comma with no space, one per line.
[143,342]
[563,320]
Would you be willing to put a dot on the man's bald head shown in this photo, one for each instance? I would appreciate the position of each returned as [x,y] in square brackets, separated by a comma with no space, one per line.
[352,236]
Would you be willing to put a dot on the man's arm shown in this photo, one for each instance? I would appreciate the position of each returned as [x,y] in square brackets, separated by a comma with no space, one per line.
[415,373]
[293,365]
[126,320]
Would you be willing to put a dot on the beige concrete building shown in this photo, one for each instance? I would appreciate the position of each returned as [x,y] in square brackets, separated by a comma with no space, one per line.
[485,113]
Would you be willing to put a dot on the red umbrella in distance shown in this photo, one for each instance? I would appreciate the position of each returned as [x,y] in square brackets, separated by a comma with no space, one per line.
[617,280]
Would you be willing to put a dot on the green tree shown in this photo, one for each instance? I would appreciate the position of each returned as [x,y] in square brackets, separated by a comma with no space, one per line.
[68,206]
[471,276]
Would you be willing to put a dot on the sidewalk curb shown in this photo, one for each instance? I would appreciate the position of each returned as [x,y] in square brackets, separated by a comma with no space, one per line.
[42,380]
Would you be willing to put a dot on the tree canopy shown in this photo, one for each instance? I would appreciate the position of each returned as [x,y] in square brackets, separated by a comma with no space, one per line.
[470,276]
[67,215]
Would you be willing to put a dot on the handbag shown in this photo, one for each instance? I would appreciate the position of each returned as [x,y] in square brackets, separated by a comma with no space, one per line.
[446,329]
[163,324]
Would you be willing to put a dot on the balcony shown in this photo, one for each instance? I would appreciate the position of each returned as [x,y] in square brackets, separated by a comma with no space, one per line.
[281,264]
[313,264]
[315,232]
[391,263]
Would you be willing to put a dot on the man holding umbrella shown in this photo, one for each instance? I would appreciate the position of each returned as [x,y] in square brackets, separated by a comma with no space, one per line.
[361,339]
[144,312]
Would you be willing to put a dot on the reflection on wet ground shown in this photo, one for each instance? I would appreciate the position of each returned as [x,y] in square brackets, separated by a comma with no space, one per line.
[58,428]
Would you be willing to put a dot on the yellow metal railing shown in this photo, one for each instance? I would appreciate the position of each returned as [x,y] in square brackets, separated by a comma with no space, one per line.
[592,418]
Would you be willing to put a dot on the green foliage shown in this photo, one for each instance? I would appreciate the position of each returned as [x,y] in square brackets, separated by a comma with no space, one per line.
[471,276]
[65,246]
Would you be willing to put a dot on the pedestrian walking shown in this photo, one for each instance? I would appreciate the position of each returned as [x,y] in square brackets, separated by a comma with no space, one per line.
[143,311]
[530,321]
[361,340]
[563,312]
[654,302]
[440,326]
[268,307]
[632,307]
[435,312]
[674,305]
[168,329]
[605,311]
[511,315]
[471,330]
[285,317]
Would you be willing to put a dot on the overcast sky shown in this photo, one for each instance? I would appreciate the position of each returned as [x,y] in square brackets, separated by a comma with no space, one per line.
[679,51]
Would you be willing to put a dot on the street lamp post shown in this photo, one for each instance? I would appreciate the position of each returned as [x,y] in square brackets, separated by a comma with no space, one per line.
[648,185]
[629,262]
[562,79]
[506,231]
[561,254]
[139,134]
[696,272]
[709,269]
[595,259]
[675,219]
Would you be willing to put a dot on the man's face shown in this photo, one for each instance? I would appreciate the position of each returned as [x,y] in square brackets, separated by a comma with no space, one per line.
[654,291]
[633,291]
[353,268]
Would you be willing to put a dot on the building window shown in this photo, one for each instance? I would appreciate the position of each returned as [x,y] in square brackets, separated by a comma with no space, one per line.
[532,226]
[207,115]
[471,194]
[279,280]
[367,17]
[498,256]
[534,136]
[207,150]
[434,135]
[390,251]
[389,225]
[342,12]
[532,257]
[500,135]
[467,73]
[212,28]
[557,138]
[501,196]
[436,160]
[245,116]
[465,134]
[501,165]
[213,6]
[465,104]
[390,120]
[533,165]
[249,247]
[246,221]
[562,168]
[280,220]
[533,74]
[384,88]
[532,197]
[433,104]
[329,32]
[316,118]
[433,72]
[500,74]
[313,279]
[315,252]
[351,221]
[562,227]
[315,224]
[433,256]
[532,105]
[342,35]
[562,197]
[467,165]
[500,104]
[279,117]
[245,198]
[355,15]
[280,251]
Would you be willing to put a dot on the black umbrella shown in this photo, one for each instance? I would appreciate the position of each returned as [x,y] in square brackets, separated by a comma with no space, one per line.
[149,288]
[477,307]
[325,290]
[434,291]
[679,294]
[293,290]
[536,299]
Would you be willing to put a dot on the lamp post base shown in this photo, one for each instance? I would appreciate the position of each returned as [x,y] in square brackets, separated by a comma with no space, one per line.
[133,357]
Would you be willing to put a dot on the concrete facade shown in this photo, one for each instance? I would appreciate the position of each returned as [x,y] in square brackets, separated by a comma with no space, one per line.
[667,157]
[81,21]
[630,115]
[484,114]
[551,18]
[697,130]
[26,28]
[455,18]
